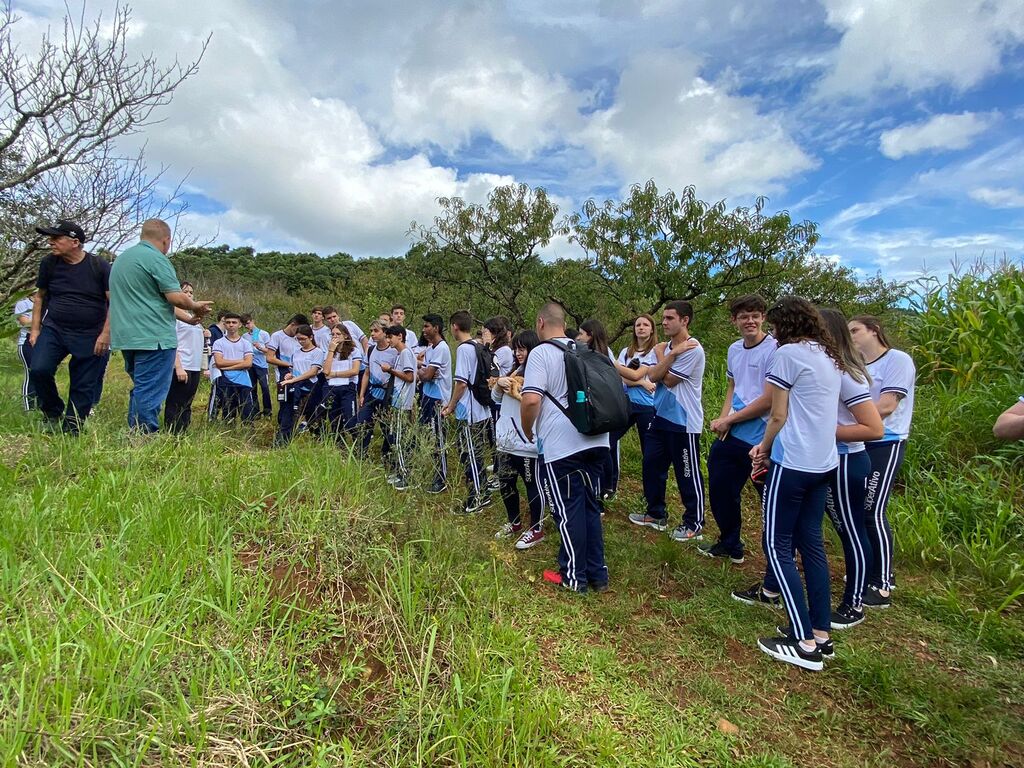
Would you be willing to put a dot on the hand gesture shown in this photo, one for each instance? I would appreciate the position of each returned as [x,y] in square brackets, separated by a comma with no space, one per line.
[202,308]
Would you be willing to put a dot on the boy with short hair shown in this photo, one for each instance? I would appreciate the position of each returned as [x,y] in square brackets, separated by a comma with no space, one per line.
[741,424]
[404,372]
[279,351]
[435,372]
[233,357]
[259,374]
[678,422]
[472,415]
[571,462]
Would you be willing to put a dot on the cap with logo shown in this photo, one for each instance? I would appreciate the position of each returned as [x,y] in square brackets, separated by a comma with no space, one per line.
[66,228]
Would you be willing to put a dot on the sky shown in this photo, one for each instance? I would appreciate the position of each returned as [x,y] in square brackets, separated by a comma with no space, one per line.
[327,126]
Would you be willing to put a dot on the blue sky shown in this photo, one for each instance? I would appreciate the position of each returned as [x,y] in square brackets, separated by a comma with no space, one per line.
[327,126]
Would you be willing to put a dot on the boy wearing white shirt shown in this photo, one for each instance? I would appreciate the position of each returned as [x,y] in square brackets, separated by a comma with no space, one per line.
[741,424]
[279,351]
[674,439]
[233,357]
[436,375]
[404,372]
[472,415]
[571,463]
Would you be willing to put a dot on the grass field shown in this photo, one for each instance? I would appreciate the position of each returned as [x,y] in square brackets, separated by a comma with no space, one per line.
[212,602]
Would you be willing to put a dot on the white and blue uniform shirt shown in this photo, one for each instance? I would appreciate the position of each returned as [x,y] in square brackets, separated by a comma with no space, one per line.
[505,359]
[338,365]
[747,368]
[807,441]
[254,337]
[190,345]
[438,357]
[376,387]
[24,307]
[894,372]
[468,409]
[679,408]
[556,437]
[851,393]
[402,394]
[638,396]
[304,361]
[508,430]
[354,331]
[283,346]
[231,351]
[322,337]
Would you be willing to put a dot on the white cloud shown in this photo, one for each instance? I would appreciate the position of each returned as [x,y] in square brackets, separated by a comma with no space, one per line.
[670,124]
[919,44]
[1003,197]
[940,132]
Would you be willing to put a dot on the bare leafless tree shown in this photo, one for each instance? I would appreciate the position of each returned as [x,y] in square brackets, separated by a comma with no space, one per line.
[62,109]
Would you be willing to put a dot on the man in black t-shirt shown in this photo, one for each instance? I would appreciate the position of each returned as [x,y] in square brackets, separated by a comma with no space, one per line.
[70,317]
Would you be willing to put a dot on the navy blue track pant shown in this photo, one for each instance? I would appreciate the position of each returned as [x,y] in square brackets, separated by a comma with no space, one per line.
[681,450]
[845,507]
[793,506]
[642,417]
[572,488]
[729,468]
[430,414]
[886,460]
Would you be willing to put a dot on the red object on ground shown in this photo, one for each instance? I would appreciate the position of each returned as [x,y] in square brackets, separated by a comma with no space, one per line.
[552,577]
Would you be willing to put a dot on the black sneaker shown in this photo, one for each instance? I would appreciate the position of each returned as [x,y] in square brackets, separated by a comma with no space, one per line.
[483,500]
[608,495]
[720,550]
[437,487]
[790,651]
[756,596]
[828,648]
[846,616]
[872,599]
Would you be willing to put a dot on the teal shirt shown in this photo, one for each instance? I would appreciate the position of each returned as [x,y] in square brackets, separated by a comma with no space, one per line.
[140,317]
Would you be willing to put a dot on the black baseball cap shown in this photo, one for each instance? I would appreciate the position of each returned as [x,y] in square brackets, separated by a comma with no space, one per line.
[68,228]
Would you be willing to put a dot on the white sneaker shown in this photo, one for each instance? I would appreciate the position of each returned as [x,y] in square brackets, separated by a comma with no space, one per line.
[508,530]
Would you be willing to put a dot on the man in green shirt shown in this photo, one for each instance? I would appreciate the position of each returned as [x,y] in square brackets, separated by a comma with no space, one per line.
[144,293]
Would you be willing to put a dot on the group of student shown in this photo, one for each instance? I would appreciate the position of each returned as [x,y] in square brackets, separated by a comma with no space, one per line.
[816,415]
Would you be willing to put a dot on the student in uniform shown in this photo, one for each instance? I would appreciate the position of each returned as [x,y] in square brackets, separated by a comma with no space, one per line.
[678,423]
[233,357]
[215,407]
[332,318]
[374,393]
[23,314]
[892,388]
[592,334]
[571,462]
[470,413]
[858,421]
[1010,424]
[321,332]
[397,317]
[639,357]
[188,363]
[279,351]
[436,374]
[259,374]
[403,372]
[497,337]
[518,455]
[342,364]
[297,384]
[805,382]
[741,424]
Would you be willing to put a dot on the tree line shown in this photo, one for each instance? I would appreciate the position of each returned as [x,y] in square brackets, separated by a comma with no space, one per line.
[634,255]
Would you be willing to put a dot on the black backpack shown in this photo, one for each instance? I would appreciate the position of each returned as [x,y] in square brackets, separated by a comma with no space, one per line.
[486,368]
[597,400]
